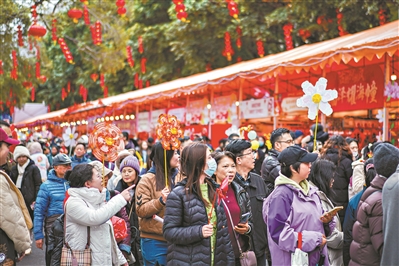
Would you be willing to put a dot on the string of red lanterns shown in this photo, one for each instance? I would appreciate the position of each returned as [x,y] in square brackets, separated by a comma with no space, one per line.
[65,50]
[180,9]
[233,8]
[35,29]
[14,72]
[261,50]
[121,7]
[86,15]
[228,50]
[382,16]
[141,47]
[129,56]
[54,31]
[239,34]
[20,39]
[287,28]
[143,65]
[341,29]
[96,33]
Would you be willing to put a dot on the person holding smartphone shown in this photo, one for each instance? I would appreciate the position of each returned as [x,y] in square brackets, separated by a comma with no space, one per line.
[237,202]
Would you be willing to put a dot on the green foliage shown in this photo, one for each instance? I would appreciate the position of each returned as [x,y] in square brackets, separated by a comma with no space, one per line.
[172,48]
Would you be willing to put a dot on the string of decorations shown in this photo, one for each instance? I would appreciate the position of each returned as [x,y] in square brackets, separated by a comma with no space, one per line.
[121,7]
[233,8]
[287,28]
[180,9]
[65,50]
[228,50]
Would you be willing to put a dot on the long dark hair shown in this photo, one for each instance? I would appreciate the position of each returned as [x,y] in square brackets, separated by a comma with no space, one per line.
[158,158]
[336,142]
[192,164]
[322,174]
[79,175]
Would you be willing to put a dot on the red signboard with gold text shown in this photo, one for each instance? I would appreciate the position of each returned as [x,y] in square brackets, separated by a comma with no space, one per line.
[358,88]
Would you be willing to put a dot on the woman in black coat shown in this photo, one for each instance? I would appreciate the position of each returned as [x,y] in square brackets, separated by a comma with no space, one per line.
[337,150]
[197,232]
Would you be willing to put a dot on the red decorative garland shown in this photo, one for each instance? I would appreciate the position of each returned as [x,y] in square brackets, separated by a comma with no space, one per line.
[14,73]
[129,56]
[54,31]
[287,36]
[121,7]
[238,41]
[228,50]
[65,50]
[141,48]
[96,33]
[180,10]
[233,8]
[259,45]
[143,65]
[20,39]
[382,16]
[341,30]
[86,15]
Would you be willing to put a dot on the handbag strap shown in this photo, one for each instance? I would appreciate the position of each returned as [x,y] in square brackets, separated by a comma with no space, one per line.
[232,226]
[300,240]
[88,230]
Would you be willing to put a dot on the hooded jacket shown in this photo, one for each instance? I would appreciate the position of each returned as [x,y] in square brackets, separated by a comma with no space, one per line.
[290,209]
[87,207]
[368,239]
[185,215]
[14,217]
[31,181]
[49,201]
[270,168]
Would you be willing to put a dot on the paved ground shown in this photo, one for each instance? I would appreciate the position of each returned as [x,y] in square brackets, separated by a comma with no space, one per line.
[36,258]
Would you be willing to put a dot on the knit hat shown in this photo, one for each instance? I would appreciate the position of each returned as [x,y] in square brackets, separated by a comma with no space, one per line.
[298,133]
[21,151]
[386,159]
[100,168]
[130,161]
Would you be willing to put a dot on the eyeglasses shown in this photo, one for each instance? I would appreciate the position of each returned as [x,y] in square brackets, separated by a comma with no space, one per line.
[252,152]
[288,141]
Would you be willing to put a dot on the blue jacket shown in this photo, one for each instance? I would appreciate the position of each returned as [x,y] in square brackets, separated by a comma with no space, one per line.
[75,160]
[49,202]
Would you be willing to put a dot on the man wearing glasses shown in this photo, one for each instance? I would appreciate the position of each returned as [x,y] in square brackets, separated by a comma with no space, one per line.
[280,139]
[257,191]
[50,199]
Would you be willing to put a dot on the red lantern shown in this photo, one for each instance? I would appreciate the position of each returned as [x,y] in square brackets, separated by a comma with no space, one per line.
[37,31]
[382,16]
[105,92]
[20,40]
[287,36]
[75,14]
[1,67]
[233,8]
[140,83]
[238,41]
[136,80]
[122,11]
[102,81]
[228,50]
[32,94]
[86,15]
[341,30]
[129,56]
[94,77]
[37,70]
[141,48]
[143,65]
[43,78]
[259,45]
[54,31]
[98,33]
[180,10]
[120,3]
[63,94]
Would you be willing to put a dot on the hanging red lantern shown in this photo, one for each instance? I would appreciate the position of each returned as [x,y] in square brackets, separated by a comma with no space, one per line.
[341,29]
[120,3]
[129,56]
[54,31]
[32,94]
[69,87]
[98,33]
[304,34]
[122,11]
[136,80]
[43,78]
[382,16]
[27,84]
[1,67]
[94,77]
[37,31]
[37,70]
[180,10]
[63,94]
[20,40]
[65,50]
[143,65]
[287,36]
[259,45]
[141,48]
[147,84]
[238,41]
[102,81]
[140,83]
[75,14]
[233,8]
[86,15]
[105,92]
[228,50]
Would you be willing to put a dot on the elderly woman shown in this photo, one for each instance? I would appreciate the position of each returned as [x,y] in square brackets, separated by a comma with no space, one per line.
[196,231]
[86,207]
[293,209]
[237,202]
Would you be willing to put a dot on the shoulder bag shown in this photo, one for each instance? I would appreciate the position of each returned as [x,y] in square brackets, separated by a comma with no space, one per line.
[299,257]
[71,257]
[247,258]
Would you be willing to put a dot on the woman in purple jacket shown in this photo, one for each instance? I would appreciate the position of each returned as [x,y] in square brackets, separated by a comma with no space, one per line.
[295,207]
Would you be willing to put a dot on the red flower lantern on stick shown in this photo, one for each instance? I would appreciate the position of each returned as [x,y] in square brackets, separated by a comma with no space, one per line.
[168,131]
[259,45]
[228,50]
[104,141]
[180,10]
[287,36]
[65,50]
[86,15]
[75,14]
[233,8]
[20,39]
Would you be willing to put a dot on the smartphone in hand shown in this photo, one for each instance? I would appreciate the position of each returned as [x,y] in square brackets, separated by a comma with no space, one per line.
[245,217]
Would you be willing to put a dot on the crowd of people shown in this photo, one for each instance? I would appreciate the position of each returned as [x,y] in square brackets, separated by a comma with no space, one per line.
[232,205]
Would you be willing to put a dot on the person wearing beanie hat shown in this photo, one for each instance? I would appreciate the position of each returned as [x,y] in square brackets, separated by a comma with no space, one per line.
[117,173]
[39,158]
[368,238]
[26,176]
[130,170]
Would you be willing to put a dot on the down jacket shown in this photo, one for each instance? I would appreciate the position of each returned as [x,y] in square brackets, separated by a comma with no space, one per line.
[185,215]
[49,201]
[368,238]
[270,169]
[31,182]
[342,177]
[14,217]
[87,207]
[56,241]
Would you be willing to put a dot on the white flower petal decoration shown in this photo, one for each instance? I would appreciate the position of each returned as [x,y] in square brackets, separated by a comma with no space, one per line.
[380,116]
[316,98]
[70,136]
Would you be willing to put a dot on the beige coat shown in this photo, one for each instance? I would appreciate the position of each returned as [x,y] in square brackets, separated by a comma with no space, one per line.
[15,220]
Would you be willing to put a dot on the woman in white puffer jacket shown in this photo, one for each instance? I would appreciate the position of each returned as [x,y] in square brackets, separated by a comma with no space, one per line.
[86,206]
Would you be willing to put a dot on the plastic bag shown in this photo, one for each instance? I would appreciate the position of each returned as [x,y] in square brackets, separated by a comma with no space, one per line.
[120,229]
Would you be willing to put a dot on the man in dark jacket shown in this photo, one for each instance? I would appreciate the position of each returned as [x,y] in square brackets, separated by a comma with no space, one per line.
[280,139]
[257,191]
